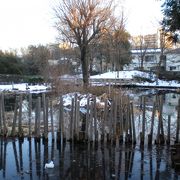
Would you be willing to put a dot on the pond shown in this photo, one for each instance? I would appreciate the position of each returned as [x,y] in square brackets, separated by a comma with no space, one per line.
[26,158]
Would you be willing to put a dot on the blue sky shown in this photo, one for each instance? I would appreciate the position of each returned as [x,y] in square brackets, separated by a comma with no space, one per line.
[25,22]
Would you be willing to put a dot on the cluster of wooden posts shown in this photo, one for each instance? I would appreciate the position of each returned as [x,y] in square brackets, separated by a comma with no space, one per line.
[106,123]
[34,128]
[109,121]
[26,153]
[160,136]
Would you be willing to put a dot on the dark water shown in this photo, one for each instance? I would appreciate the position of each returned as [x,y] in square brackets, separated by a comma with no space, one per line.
[26,160]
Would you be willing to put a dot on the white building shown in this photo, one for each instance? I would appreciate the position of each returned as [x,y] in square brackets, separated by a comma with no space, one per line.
[173,60]
[151,59]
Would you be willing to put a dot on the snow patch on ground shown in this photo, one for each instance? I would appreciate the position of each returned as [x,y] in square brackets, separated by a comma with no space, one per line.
[25,87]
[122,75]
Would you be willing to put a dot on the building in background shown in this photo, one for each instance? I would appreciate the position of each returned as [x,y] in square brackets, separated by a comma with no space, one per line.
[150,48]
[173,60]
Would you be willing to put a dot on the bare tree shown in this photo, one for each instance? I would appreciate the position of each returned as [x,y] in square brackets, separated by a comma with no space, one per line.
[112,50]
[119,45]
[141,45]
[82,21]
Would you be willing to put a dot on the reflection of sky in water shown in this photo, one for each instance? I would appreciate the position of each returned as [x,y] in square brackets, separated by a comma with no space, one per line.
[108,162]
[115,162]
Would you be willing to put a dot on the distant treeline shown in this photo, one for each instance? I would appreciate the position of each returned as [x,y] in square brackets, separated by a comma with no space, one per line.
[15,78]
[17,69]
[10,64]
[33,61]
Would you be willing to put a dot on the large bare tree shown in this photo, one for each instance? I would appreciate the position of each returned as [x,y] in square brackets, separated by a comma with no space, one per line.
[81,22]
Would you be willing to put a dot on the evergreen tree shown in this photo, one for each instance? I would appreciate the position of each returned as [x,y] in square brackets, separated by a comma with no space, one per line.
[171,20]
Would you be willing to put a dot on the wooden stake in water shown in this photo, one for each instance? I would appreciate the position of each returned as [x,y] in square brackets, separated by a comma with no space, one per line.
[52,120]
[160,134]
[20,130]
[111,121]
[143,121]
[133,123]
[105,120]
[127,135]
[30,114]
[3,115]
[130,120]
[91,123]
[46,119]
[38,117]
[87,119]
[178,123]
[95,120]
[72,121]
[161,120]
[121,115]
[44,112]
[61,119]
[15,117]
[169,129]
[150,137]
[115,119]
[77,119]
[1,123]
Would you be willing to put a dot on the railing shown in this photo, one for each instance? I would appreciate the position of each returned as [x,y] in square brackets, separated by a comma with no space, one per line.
[79,81]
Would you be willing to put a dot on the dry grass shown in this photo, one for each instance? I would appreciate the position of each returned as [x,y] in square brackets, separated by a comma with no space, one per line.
[63,87]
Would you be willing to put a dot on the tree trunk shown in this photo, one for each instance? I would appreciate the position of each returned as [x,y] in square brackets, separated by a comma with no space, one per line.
[84,63]
[90,65]
[142,63]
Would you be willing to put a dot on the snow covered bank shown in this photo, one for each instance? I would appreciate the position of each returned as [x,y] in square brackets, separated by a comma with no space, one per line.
[113,78]
[123,75]
[130,78]
[25,87]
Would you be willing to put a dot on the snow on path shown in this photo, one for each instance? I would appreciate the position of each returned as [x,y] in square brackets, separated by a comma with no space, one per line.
[121,75]
[24,87]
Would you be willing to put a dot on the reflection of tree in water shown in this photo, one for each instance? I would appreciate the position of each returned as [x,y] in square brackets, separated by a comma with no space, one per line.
[96,162]
[45,160]
[16,156]
[30,157]
[37,147]
[21,156]
[86,161]
[142,163]
[3,148]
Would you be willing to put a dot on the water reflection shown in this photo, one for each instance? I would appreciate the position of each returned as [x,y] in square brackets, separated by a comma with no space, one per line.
[26,159]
